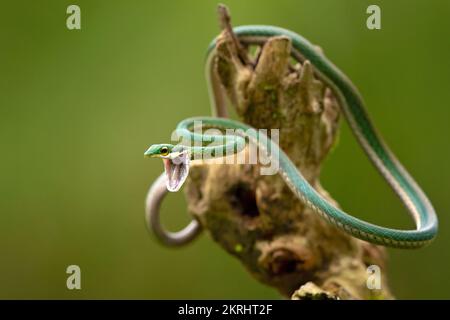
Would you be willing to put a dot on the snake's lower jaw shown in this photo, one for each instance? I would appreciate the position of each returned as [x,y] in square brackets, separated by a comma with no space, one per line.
[177,170]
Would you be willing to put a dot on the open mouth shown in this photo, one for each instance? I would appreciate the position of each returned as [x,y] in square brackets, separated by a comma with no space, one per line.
[177,170]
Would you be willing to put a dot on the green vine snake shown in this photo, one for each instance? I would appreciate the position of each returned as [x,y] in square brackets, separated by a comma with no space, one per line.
[352,106]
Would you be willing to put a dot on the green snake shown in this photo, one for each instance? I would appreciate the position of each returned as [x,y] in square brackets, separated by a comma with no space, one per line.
[352,105]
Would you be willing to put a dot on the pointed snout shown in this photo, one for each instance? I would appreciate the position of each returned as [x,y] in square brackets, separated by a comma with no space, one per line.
[150,153]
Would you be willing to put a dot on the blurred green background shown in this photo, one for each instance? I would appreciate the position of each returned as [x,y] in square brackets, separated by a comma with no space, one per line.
[79,108]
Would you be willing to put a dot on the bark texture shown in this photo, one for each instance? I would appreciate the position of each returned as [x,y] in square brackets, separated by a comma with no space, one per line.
[256,218]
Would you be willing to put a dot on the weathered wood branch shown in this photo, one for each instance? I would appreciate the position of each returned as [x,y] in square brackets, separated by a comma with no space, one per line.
[257,218]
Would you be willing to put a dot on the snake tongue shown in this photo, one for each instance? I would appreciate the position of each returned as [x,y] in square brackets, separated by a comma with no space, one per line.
[177,170]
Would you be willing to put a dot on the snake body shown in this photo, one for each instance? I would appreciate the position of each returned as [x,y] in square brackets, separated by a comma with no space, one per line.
[352,105]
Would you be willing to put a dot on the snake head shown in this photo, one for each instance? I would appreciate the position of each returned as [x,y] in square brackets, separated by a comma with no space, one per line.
[162,150]
[176,163]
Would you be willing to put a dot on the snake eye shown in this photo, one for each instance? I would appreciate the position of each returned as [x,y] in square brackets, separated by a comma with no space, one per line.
[164,151]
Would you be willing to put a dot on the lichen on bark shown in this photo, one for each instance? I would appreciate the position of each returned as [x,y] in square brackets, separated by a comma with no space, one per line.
[256,218]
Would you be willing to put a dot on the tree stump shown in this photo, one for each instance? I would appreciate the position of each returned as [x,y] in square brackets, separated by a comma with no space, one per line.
[256,218]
